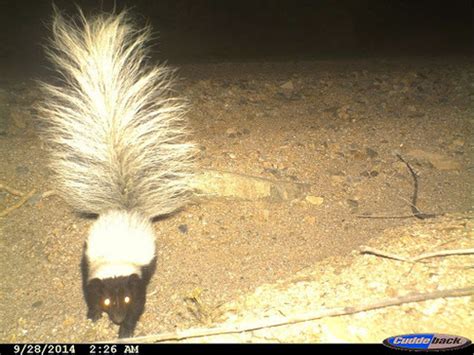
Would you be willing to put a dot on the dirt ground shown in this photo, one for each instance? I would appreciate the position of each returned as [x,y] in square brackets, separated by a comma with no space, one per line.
[334,125]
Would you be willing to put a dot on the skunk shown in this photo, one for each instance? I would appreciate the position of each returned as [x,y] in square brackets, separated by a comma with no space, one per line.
[118,145]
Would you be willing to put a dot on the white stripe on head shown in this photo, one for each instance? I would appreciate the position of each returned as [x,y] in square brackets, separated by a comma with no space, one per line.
[109,270]
[119,243]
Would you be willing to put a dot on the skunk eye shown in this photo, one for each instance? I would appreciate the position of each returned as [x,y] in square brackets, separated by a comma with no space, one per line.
[126,299]
[107,302]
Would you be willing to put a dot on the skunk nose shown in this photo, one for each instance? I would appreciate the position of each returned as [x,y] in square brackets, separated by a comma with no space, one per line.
[117,317]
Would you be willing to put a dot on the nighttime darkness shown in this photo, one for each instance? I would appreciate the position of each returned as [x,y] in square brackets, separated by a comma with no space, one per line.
[266,171]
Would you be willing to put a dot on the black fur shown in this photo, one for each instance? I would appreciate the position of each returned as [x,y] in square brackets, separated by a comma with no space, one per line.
[116,289]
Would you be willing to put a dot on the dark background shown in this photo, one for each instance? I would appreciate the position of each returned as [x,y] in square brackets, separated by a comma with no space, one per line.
[253,30]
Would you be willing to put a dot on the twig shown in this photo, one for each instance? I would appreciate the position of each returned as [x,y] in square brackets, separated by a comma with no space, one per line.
[48,193]
[415,210]
[11,190]
[369,250]
[444,253]
[299,318]
[384,217]
[20,203]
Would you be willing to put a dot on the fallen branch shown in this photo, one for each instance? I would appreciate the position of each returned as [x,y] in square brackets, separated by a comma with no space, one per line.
[215,183]
[299,318]
[24,198]
[369,250]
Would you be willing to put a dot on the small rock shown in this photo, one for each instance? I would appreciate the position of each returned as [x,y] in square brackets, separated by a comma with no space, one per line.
[457,146]
[343,112]
[288,85]
[22,170]
[183,228]
[37,304]
[231,132]
[371,153]
[314,200]
[287,90]
[358,155]
[337,179]
[352,203]
[235,132]
[69,321]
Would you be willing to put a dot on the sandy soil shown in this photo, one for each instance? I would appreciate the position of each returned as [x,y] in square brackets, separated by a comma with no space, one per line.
[335,125]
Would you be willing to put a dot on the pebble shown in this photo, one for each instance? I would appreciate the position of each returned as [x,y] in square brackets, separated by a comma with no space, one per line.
[314,200]
[288,86]
[183,228]
[352,203]
[37,304]
[371,153]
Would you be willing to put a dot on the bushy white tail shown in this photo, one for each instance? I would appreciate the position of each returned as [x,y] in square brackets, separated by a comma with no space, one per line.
[116,130]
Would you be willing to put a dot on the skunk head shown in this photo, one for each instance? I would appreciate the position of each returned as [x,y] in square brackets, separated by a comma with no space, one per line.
[118,296]
[118,261]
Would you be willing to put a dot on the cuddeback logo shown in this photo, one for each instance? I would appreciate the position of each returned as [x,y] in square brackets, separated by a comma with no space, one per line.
[425,342]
